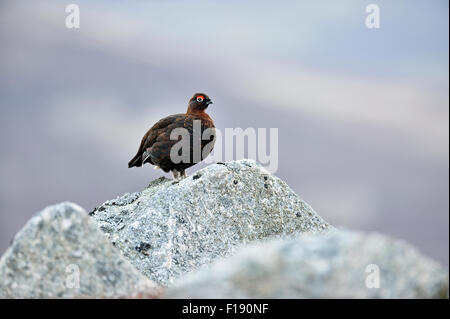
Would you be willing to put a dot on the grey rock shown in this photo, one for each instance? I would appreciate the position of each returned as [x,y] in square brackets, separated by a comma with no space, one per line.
[333,265]
[171,228]
[54,247]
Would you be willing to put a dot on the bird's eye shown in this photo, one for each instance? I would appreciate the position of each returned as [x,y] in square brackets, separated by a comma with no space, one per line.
[200,99]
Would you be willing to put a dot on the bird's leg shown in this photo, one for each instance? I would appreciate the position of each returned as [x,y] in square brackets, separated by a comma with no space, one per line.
[183,173]
[176,174]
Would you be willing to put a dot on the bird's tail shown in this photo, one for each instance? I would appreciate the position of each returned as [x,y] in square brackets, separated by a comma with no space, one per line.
[136,161]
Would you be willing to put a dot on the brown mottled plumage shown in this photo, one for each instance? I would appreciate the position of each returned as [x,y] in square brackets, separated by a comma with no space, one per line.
[156,144]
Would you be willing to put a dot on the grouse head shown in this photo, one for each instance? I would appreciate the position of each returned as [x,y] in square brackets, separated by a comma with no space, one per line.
[199,102]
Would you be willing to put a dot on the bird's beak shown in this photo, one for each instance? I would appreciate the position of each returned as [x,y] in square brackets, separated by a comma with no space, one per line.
[209,102]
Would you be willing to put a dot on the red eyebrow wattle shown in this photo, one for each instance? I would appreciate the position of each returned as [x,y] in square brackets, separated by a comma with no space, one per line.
[201,96]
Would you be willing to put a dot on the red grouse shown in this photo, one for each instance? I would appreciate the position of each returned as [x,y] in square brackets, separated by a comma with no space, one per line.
[156,144]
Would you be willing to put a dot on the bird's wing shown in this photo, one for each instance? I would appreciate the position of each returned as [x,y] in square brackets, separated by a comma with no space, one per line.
[160,127]
[152,135]
[160,151]
[159,142]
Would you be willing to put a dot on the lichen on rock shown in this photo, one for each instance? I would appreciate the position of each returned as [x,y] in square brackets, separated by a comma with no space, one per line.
[339,264]
[171,228]
[61,253]
[231,230]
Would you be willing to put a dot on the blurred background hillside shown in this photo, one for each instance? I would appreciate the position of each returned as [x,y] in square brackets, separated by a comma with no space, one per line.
[362,113]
